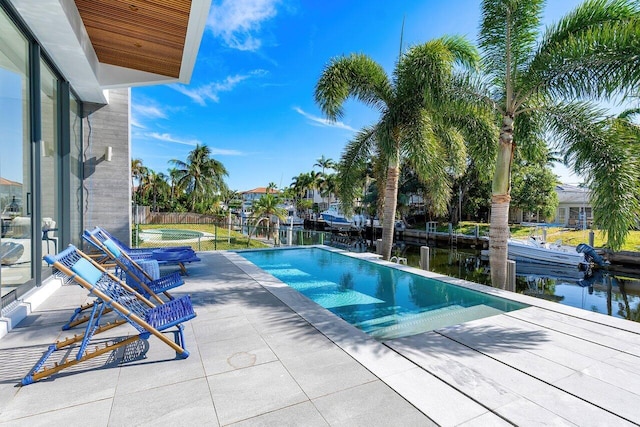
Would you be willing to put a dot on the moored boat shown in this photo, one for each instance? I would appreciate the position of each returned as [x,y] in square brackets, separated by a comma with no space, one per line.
[535,250]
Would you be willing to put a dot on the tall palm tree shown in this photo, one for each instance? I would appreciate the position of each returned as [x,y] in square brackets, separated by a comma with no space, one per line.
[174,174]
[416,117]
[539,82]
[265,208]
[324,163]
[271,187]
[138,172]
[155,186]
[200,176]
[612,168]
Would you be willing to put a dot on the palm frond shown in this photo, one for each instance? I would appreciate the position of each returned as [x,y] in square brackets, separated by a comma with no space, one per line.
[592,52]
[355,75]
[606,153]
[508,33]
[425,69]
[352,165]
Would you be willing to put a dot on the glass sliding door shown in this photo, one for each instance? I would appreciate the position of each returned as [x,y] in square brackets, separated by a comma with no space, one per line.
[49,161]
[75,169]
[16,240]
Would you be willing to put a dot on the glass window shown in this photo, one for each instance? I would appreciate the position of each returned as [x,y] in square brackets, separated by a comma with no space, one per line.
[50,160]
[75,210]
[15,161]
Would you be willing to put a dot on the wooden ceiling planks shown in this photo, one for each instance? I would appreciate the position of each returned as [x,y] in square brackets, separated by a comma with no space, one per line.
[146,35]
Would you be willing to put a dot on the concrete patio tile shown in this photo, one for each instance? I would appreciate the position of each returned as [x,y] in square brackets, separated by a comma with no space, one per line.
[625,403]
[302,414]
[523,412]
[492,383]
[61,391]
[276,321]
[297,340]
[509,347]
[488,419]
[441,402]
[327,371]
[371,404]
[93,414]
[247,393]
[187,403]
[616,376]
[160,367]
[27,337]
[238,353]
[217,330]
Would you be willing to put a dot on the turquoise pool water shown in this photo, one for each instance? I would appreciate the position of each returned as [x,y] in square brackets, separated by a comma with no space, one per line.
[384,302]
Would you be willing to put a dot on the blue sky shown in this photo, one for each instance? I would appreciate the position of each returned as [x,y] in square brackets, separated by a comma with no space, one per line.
[250,98]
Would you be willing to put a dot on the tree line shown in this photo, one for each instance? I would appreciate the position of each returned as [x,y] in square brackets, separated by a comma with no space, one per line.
[477,123]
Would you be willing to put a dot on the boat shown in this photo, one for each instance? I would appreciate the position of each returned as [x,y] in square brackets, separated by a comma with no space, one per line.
[335,218]
[536,250]
[292,216]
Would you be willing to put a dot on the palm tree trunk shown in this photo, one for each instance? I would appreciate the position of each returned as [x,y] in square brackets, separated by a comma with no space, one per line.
[500,198]
[390,204]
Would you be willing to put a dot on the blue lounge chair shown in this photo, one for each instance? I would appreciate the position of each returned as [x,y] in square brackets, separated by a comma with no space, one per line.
[136,274]
[130,306]
[174,255]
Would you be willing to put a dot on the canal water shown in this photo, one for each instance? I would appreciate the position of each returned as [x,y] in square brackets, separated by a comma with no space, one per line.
[597,291]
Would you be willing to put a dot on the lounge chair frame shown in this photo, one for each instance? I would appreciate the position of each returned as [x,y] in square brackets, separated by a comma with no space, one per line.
[132,307]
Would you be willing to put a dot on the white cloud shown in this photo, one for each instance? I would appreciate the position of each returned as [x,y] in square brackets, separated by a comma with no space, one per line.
[166,137]
[323,122]
[237,22]
[149,111]
[210,92]
[136,124]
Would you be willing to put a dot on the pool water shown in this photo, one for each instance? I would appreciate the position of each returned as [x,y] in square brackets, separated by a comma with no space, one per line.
[384,302]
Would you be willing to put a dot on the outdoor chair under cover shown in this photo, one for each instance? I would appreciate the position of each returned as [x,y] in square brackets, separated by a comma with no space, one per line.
[130,307]
[168,255]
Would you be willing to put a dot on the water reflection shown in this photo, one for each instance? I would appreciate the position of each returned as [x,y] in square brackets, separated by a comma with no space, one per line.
[601,291]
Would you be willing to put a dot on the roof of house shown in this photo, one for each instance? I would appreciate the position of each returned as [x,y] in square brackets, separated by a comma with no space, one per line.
[572,194]
[107,44]
[4,181]
[258,190]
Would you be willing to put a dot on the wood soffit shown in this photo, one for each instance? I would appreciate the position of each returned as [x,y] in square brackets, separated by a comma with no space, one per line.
[145,35]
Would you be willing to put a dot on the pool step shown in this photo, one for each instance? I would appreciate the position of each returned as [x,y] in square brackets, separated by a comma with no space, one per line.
[430,320]
[400,314]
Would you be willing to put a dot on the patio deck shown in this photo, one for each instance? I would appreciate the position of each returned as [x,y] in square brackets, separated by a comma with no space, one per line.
[262,354]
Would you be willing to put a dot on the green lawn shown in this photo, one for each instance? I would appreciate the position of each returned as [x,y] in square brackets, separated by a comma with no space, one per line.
[223,240]
[568,236]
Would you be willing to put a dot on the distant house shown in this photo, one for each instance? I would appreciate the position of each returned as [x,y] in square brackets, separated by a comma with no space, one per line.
[10,192]
[250,196]
[574,207]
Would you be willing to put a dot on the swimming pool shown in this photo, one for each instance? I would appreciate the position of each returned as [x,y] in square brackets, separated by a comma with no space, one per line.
[382,301]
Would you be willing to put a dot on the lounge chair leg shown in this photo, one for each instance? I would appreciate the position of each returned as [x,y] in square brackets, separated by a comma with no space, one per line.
[72,320]
[35,374]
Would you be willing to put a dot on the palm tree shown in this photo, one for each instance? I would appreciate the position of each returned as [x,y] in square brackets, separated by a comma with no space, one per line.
[266,207]
[155,186]
[539,83]
[271,187]
[324,163]
[138,172]
[613,171]
[174,174]
[416,117]
[200,176]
